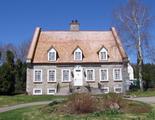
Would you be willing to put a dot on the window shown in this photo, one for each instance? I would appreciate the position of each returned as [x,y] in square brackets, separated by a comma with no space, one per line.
[105,89]
[65,75]
[117,74]
[103,74]
[103,54]
[118,89]
[90,75]
[37,91]
[37,75]
[78,54]
[51,91]
[51,75]
[52,55]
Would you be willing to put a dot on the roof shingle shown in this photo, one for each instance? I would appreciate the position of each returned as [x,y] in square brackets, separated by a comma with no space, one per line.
[65,42]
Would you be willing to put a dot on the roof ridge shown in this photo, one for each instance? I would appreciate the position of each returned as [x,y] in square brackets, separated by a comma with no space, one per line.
[77,31]
[118,43]
[33,44]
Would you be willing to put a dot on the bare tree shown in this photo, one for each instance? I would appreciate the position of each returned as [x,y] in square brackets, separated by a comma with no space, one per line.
[22,50]
[134,20]
[19,51]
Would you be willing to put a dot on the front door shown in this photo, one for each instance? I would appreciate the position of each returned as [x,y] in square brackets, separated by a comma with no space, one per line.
[78,76]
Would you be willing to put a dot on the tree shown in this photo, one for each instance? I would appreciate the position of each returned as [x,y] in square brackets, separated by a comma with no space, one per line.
[7,75]
[0,57]
[20,81]
[22,50]
[134,20]
[148,75]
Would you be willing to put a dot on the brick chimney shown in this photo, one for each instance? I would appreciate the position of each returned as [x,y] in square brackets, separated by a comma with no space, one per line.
[74,25]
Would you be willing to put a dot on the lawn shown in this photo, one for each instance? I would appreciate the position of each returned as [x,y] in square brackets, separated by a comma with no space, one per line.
[18,99]
[139,93]
[60,110]
[35,113]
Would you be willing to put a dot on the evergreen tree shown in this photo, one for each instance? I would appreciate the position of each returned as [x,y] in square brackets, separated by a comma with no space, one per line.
[20,82]
[7,75]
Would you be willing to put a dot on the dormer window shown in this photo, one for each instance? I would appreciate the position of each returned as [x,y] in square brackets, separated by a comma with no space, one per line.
[103,54]
[78,54]
[52,55]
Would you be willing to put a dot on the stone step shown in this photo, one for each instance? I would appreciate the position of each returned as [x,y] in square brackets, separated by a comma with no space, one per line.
[79,89]
[63,91]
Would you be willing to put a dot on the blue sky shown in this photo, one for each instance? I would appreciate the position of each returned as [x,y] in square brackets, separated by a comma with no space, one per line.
[18,18]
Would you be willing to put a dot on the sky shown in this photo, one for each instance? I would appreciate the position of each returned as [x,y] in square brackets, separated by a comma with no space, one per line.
[19,18]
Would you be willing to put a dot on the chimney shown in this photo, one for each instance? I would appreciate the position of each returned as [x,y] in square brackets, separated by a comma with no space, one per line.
[74,25]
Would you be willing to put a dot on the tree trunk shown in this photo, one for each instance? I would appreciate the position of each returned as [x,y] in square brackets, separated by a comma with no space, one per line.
[140,61]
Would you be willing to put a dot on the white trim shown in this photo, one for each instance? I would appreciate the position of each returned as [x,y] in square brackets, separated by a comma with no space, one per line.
[120,74]
[51,89]
[107,74]
[28,61]
[48,75]
[78,50]
[77,82]
[52,50]
[103,50]
[93,74]
[37,93]
[116,88]
[62,75]
[107,89]
[34,75]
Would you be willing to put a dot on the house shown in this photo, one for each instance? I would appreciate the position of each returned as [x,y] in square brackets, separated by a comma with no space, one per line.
[131,80]
[130,72]
[61,62]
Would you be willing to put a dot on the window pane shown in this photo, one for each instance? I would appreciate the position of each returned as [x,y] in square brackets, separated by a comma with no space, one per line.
[65,75]
[117,74]
[105,89]
[51,91]
[103,55]
[103,74]
[118,89]
[89,74]
[77,55]
[38,75]
[51,75]
[51,55]
[37,91]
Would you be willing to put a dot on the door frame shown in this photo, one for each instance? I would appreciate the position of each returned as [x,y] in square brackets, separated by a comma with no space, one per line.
[78,67]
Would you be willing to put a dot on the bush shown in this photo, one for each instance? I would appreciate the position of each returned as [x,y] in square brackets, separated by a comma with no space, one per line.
[82,103]
[55,102]
[112,101]
[134,86]
[107,104]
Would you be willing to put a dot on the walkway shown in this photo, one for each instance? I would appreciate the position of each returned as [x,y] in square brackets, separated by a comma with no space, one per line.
[149,100]
[4,109]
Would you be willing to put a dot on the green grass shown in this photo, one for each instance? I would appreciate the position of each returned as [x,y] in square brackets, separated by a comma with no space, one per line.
[35,113]
[18,99]
[142,94]
[130,110]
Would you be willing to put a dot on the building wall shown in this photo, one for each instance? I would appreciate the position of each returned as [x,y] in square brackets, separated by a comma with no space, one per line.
[44,85]
[130,72]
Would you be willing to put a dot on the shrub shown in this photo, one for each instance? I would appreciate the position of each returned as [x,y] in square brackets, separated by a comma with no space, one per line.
[55,102]
[82,103]
[112,101]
